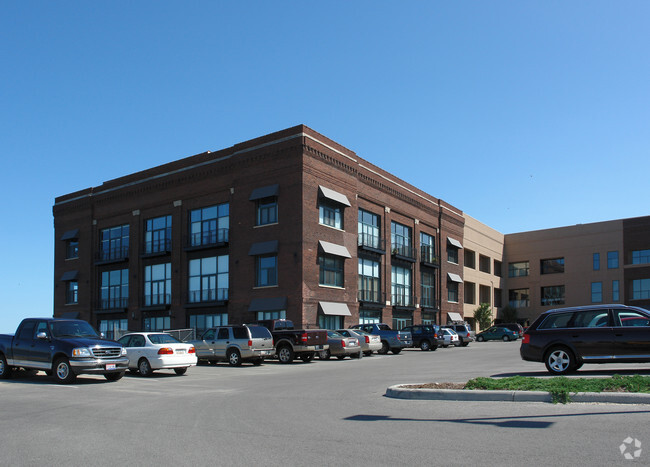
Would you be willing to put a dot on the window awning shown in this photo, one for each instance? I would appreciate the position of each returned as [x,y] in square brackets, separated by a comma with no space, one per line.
[454,242]
[333,249]
[70,276]
[454,277]
[264,192]
[268,304]
[263,248]
[334,309]
[71,235]
[333,195]
[451,316]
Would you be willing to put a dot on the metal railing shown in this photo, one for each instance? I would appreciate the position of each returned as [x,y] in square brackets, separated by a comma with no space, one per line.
[161,245]
[404,251]
[157,299]
[371,296]
[374,242]
[402,299]
[209,237]
[113,254]
[428,255]
[118,303]
[208,295]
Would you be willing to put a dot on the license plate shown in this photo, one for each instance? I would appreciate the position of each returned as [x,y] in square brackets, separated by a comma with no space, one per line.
[265,352]
[319,347]
[110,366]
[181,351]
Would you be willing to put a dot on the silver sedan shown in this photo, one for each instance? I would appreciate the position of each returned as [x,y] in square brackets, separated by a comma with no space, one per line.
[340,347]
[369,342]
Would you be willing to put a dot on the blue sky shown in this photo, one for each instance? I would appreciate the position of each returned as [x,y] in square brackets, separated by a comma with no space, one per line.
[525,115]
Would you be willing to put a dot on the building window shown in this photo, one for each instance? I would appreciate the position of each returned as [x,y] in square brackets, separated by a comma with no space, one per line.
[428,290]
[452,254]
[158,284]
[428,248]
[158,235]
[369,283]
[553,295]
[612,259]
[596,261]
[640,289]
[519,269]
[330,214]
[470,259]
[204,322]
[452,292]
[640,256]
[401,240]
[209,279]
[158,323]
[484,294]
[596,292]
[275,314]
[469,295]
[484,263]
[401,319]
[113,328]
[331,270]
[114,243]
[266,271]
[428,317]
[114,289]
[498,298]
[369,316]
[615,291]
[267,211]
[401,286]
[71,292]
[369,230]
[519,298]
[498,268]
[330,322]
[552,266]
[72,249]
[210,225]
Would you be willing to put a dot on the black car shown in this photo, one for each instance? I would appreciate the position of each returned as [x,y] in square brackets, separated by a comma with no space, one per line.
[425,336]
[564,339]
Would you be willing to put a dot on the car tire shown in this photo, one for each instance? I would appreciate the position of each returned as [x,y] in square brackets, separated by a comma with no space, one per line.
[480,339]
[340,357]
[5,370]
[368,353]
[506,338]
[307,357]
[114,376]
[234,357]
[258,361]
[324,354]
[425,346]
[62,371]
[285,354]
[465,344]
[384,348]
[559,361]
[180,371]
[144,367]
[396,350]
[434,347]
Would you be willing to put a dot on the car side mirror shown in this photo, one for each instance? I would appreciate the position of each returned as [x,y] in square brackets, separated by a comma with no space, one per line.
[41,335]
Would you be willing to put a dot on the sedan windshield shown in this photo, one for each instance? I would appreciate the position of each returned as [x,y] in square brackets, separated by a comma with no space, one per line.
[72,329]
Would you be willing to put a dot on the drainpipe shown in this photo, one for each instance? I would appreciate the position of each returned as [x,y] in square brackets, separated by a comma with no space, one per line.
[439,299]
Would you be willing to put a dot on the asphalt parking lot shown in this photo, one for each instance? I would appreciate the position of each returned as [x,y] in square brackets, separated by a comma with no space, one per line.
[320,413]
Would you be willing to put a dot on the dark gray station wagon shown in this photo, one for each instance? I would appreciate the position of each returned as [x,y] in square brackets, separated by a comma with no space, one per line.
[566,338]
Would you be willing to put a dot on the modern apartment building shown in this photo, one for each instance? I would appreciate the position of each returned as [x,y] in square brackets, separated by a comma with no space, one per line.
[289,225]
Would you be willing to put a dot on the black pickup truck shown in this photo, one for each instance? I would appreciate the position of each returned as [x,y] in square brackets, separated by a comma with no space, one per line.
[63,348]
[291,343]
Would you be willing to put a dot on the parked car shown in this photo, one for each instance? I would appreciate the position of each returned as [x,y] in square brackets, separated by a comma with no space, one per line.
[340,346]
[518,328]
[391,340]
[425,336]
[149,351]
[497,333]
[566,338]
[464,331]
[369,342]
[293,343]
[450,337]
[63,348]
[235,344]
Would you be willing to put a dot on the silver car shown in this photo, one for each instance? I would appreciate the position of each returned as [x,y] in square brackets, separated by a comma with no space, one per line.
[235,344]
[340,347]
[369,342]
[450,336]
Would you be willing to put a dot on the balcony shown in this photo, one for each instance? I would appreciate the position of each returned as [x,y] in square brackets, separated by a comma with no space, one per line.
[428,301]
[371,243]
[403,252]
[371,296]
[208,239]
[108,305]
[161,246]
[112,255]
[402,300]
[428,256]
[157,300]
[207,297]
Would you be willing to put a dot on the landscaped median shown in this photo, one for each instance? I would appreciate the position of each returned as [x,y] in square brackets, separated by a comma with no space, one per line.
[616,390]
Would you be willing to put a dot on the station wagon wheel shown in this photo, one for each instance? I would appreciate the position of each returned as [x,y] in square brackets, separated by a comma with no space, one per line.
[144,367]
[62,371]
[424,345]
[559,361]
[234,357]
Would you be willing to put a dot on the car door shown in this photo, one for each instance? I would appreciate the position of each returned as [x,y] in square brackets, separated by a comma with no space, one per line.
[205,347]
[221,343]
[41,347]
[137,349]
[591,334]
[631,335]
[22,343]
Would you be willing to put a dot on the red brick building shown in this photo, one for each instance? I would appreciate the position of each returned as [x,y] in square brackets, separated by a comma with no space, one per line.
[290,224]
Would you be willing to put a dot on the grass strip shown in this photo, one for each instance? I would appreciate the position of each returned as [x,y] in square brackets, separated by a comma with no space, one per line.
[561,387]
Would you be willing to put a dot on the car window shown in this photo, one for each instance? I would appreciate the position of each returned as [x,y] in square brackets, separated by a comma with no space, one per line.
[259,332]
[627,318]
[223,333]
[345,333]
[590,319]
[124,341]
[208,335]
[556,320]
[240,332]
[27,331]
[137,341]
[41,327]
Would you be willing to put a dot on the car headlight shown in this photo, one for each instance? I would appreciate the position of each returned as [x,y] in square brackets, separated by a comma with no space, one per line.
[123,350]
[81,352]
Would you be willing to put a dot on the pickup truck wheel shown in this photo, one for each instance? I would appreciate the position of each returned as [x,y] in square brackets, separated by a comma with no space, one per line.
[234,357]
[384,348]
[324,354]
[307,357]
[114,376]
[180,371]
[258,361]
[5,370]
[285,354]
[62,372]
[425,346]
[368,353]
[434,347]
[144,367]
[396,350]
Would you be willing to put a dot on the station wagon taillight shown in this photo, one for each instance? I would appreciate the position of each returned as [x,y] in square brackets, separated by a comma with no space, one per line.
[166,351]
[525,339]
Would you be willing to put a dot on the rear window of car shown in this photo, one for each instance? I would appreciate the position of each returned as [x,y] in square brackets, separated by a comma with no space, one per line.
[259,332]
[162,339]
[240,332]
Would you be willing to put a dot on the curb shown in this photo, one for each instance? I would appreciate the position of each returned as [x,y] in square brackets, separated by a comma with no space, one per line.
[401,392]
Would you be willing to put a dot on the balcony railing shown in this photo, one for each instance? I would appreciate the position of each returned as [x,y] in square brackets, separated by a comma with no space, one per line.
[428,301]
[162,245]
[119,303]
[371,242]
[208,296]
[402,299]
[403,251]
[157,299]
[209,238]
[371,296]
[428,256]
[113,254]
